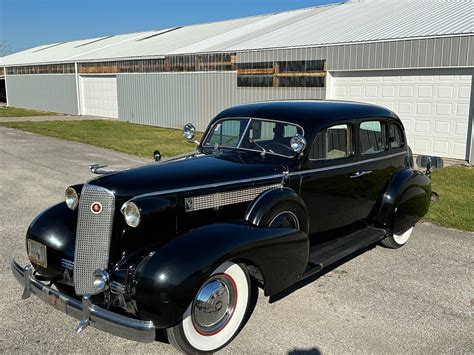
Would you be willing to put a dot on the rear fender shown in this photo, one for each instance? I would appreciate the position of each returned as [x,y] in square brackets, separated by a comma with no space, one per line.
[167,281]
[405,201]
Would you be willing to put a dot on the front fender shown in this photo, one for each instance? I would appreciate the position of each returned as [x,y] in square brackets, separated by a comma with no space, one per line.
[56,228]
[405,201]
[167,282]
[262,205]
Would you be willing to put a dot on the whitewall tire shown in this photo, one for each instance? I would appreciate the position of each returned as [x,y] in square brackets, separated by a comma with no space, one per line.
[217,313]
[395,241]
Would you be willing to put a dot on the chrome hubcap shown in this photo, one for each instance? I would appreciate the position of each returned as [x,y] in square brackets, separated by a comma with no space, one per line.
[214,305]
[285,220]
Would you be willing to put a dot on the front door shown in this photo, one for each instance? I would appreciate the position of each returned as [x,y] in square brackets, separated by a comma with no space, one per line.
[327,188]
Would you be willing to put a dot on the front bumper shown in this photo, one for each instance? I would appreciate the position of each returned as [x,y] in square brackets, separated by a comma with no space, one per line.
[100,318]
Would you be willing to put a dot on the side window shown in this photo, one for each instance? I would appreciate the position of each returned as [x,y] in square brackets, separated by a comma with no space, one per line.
[395,136]
[372,137]
[332,143]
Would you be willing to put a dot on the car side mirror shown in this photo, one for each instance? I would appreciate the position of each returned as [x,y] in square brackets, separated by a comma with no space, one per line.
[157,155]
[297,143]
[189,131]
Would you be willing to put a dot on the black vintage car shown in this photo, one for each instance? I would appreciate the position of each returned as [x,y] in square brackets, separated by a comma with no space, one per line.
[181,245]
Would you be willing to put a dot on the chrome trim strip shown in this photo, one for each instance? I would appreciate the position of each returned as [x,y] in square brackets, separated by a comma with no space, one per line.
[262,178]
[100,318]
[209,186]
[334,167]
[245,131]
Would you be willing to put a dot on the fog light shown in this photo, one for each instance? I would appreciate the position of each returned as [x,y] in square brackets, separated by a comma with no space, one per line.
[101,280]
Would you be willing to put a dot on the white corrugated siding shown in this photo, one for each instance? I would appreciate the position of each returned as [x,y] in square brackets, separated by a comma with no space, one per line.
[174,99]
[47,92]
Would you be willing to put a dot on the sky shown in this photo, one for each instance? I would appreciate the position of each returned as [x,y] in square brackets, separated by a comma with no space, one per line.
[28,23]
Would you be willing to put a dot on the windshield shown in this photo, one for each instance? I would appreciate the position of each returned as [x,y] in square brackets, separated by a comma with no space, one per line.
[253,134]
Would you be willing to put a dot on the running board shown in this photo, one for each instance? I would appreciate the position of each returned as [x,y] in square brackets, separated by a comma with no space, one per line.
[325,254]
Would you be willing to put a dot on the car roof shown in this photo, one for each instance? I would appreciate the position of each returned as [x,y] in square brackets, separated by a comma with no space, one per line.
[309,114]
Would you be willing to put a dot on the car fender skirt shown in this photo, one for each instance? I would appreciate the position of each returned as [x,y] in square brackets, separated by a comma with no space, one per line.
[167,281]
[405,201]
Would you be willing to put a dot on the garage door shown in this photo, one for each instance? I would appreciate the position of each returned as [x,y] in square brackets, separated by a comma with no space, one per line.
[99,96]
[433,105]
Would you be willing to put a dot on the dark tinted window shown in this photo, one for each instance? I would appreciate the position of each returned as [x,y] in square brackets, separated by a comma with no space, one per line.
[332,143]
[395,136]
[372,137]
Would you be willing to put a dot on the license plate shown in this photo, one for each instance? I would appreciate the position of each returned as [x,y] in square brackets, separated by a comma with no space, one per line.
[37,253]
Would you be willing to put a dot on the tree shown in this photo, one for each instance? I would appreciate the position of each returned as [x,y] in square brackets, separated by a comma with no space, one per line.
[4,48]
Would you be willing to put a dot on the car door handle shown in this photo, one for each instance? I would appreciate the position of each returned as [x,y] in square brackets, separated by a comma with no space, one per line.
[360,173]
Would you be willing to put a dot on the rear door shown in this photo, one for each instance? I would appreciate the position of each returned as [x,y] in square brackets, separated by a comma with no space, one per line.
[375,166]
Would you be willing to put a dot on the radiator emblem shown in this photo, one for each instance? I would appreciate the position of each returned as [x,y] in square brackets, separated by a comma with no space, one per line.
[96,207]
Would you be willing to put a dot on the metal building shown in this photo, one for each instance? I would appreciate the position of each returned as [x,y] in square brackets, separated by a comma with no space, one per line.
[415,57]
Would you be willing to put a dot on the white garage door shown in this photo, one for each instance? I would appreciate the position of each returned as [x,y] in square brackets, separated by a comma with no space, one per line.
[99,96]
[433,105]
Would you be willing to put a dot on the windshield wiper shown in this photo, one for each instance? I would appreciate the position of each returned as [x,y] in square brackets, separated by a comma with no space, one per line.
[264,151]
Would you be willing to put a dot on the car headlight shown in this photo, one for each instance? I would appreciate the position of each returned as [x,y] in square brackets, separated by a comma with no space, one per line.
[71,198]
[131,212]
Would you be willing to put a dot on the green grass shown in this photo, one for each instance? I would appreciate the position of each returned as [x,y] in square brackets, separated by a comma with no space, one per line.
[455,185]
[22,112]
[124,137]
[455,208]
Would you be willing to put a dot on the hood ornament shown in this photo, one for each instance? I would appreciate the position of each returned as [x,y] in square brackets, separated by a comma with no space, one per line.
[96,169]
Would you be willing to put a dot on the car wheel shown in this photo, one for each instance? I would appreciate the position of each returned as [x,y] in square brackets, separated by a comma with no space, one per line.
[395,241]
[217,313]
[287,215]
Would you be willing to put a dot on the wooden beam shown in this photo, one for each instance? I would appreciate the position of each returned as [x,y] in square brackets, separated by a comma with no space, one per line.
[260,71]
[320,74]
[276,71]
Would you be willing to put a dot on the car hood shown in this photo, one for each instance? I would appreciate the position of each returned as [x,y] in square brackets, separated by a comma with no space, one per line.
[189,173]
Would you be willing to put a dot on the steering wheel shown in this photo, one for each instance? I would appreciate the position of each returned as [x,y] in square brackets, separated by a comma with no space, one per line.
[276,147]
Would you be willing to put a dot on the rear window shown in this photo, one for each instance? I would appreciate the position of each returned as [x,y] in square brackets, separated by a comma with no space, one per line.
[395,136]
[372,137]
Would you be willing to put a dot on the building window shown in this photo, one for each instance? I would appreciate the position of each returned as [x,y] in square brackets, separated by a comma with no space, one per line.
[42,69]
[178,63]
[300,73]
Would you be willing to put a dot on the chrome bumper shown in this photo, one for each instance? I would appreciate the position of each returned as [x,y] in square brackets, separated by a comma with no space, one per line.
[107,321]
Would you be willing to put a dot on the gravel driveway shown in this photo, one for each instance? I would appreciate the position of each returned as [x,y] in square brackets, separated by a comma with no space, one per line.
[416,299]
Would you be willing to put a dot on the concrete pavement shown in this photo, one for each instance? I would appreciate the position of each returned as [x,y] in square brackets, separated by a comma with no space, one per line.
[415,299]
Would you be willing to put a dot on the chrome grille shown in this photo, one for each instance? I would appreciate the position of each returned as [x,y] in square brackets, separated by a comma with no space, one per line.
[219,199]
[93,235]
